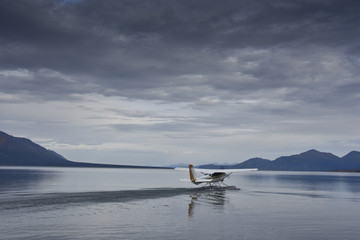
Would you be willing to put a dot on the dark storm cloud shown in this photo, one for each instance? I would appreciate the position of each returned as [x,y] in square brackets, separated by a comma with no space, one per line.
[176,50]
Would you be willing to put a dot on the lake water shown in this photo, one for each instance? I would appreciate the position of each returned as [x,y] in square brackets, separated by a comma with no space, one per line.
[85,203]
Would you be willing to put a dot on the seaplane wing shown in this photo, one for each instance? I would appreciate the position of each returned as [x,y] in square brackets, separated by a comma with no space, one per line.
[210,176]
[210,171]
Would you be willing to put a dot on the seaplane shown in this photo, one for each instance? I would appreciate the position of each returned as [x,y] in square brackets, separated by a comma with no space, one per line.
[211,177]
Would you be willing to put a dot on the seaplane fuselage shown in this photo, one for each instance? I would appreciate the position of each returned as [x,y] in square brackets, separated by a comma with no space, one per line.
[210,176]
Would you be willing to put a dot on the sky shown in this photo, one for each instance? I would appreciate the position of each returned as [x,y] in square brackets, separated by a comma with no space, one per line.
[161,82]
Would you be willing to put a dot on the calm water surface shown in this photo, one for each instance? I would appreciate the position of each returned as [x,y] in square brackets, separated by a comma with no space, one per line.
[80,203]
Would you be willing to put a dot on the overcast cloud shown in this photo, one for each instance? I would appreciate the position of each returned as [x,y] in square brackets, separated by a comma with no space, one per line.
[159,82]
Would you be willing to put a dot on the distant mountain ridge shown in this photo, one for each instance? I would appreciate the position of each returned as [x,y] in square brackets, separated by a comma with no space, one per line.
[311,160]
[15,151]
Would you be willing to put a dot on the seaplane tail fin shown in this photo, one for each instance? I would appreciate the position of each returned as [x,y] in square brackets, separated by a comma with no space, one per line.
[192,173]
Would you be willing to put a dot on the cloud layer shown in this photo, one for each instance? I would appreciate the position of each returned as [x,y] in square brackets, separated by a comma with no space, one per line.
[214,81]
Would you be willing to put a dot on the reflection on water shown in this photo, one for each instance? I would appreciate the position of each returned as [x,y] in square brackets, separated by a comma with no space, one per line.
[311,195]
[308,181]
[13,179]
[215,196]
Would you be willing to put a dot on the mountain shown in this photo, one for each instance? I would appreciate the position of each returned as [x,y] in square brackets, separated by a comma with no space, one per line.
[311,160]
[351,160]
[251,163]
[259,163]
[15,151]
[178,165]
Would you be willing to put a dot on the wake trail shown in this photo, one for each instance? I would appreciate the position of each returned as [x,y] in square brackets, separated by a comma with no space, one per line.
[49,199]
